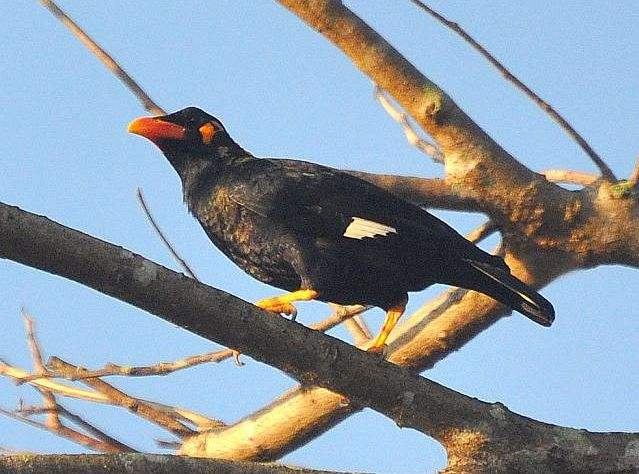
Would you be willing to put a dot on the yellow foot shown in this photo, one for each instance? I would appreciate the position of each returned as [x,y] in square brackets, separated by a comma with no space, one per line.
[392,316]
[284,304]
[275,305]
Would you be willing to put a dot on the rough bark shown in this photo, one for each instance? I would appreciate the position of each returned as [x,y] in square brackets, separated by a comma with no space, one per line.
[478,436]
[138,463]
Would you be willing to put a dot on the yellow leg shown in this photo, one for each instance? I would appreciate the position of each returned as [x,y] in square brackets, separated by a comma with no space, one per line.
[283,304]
[392,316]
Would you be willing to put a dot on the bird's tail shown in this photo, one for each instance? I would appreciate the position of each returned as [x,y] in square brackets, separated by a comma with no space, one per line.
[505,288]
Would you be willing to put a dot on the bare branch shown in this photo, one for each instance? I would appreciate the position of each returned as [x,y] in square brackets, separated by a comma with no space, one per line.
[359,331]
[351,316]
[161,368]
[476,165]
[570,177]
[427,192]
[4,450]
[197,419]
[79,421]
[20,375]
[103,56]
[137,463]
[118,397]
[53,421]
[606,172]
[450,417]
[68,433]
[483,231]
[411,134]
[165,368]
[32,342]
[189,271]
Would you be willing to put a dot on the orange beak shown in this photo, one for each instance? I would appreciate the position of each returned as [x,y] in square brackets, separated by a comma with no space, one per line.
[157,130]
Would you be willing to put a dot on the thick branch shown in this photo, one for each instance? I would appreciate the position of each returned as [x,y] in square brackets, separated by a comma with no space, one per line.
[138,463]
[319,359]
[427,192]
[473,160]
[592,228]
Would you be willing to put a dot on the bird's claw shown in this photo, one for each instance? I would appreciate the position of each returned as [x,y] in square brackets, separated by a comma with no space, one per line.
[277,306]
[377,349]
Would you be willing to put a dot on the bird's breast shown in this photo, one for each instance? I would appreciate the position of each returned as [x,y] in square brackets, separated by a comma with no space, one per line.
[248,239]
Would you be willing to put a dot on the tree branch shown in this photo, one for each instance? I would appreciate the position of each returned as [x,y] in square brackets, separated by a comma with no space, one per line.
[138,463]
[570,177]
[412,401]
[474,162]
[103,56]
[411,134]
[118,397]
[606,172]
[427,192]
[68,433]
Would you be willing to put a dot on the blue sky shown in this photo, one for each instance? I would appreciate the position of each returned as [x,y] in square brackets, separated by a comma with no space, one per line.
[282,90]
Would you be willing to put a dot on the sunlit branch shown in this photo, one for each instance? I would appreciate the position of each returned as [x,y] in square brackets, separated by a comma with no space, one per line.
[103,56]
[118,397]
[606,172]
[570,177]
[409,131]
[68,433]
[50,403]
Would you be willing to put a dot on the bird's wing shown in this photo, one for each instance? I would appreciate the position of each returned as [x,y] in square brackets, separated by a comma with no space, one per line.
[322,202]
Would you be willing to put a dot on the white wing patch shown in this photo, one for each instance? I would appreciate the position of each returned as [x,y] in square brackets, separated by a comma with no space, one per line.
[360,228]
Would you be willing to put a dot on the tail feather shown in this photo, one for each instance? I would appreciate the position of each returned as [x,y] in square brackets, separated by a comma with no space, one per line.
[507,289]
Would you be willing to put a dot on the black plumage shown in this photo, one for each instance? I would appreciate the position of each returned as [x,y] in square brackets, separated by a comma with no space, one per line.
[302,226]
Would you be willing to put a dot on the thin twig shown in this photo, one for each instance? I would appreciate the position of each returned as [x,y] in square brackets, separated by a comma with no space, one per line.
[606,172]
[79,421]
[340,314]
[106,59]
[139,407]
[166,242]
[22,376]
[353,322]
[483,231]
[164,444]
[32,342]
[52,418]
[7,450]
[409,130]
[197,419]
[161,368]
[65,432]
[360,336]
[570,177]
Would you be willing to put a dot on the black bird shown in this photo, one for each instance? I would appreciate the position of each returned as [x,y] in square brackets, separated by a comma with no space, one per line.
[320,233]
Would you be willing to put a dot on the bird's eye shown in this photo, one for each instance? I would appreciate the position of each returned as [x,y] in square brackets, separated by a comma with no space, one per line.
[207,131]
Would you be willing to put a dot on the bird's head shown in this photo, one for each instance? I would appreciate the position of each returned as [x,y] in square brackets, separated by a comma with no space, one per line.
[194,142]
[187,131]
